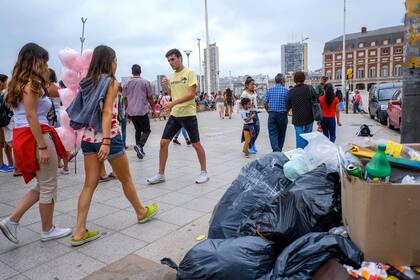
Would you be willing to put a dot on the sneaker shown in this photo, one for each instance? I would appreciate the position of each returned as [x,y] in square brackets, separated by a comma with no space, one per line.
[202,178]
[176,141]
[158,178]
[11,167]
[5,168]
[9,230]
[55,233]
[252,151]
[188,142]
[142,151]
[246,155]
[64,171]
[137,149]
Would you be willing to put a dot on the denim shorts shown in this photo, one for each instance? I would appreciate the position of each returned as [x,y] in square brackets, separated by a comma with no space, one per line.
[116,148]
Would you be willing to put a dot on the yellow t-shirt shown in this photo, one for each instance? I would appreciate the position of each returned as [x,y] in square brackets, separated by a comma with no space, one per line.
[180,82]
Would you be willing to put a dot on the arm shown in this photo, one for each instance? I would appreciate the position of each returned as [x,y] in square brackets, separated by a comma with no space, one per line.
[150,97]
[337,111]
[30,102]
[266,97]
[111,94]
[165,84]
[53,91]
[189,96]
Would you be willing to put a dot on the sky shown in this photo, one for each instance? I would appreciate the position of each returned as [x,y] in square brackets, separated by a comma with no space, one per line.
[249,33]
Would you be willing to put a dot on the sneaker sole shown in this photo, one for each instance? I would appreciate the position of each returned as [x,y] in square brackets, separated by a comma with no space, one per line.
[139,155]
[8,234]
[208,179]
[154,183]
[82,242]
[56,237]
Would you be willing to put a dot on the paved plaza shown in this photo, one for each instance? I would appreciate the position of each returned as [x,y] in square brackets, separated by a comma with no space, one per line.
[185,207]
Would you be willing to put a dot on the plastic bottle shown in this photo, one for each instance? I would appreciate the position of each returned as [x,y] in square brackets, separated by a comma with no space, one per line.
[378,169]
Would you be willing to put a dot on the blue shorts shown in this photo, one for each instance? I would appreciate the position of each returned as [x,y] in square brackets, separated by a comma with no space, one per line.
[116,148]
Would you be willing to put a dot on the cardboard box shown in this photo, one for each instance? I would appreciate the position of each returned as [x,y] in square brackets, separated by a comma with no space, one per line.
[383,219]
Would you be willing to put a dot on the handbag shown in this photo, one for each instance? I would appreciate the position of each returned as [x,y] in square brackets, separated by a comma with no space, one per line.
[316,107]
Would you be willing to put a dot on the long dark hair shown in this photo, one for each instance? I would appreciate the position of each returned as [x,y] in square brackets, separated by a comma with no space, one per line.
[329,94]
[248,80]
[31,67]
[102,59]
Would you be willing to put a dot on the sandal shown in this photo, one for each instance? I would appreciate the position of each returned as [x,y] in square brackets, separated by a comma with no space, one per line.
[104,179]
[152,210]
[87,237]
[111,176]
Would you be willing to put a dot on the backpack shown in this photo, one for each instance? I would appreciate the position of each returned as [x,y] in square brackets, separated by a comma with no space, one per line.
[5,113]
[364,131]
[52,115]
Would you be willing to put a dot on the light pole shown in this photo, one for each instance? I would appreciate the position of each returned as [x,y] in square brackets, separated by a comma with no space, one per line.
[343,66]
[303,53]
[188,52]
[207,46]
[199,63]
[82,39]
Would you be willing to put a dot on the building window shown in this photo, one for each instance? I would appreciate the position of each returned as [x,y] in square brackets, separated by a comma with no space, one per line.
[398,50]
[338,75]
[361,54]
[372,53]
[385,51]
[361,73]
[385,71]
[399,40]
[397,70]
[329,74]
[372,72]
[386,42]
[361,45]
[372,44]
[338,57]
[349,55]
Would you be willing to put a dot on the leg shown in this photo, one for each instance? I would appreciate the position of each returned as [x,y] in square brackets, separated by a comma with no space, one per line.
[332,128]
[172,128]
[201,155]
[92,168]
[273,132]
[121,167]
[191,126]
[177,134]
[137,128]
[282,127]
[247,136]
[124,131]
[144,125]
[102,170]
[163,155]
[2,144]
[324,125]
[185,134]
[300,142]
[8,151]
[30,198]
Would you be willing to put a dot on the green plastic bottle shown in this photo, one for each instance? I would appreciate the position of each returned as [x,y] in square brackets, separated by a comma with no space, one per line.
[378,169]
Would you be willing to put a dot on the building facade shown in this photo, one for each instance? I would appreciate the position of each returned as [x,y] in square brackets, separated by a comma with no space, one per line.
[214,68]
[294,57]
[374,56]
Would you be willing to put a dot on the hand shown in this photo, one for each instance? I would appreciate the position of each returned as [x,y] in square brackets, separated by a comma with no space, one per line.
[168,106]
[253,116]
[339,123]
[44,156]
[103,152]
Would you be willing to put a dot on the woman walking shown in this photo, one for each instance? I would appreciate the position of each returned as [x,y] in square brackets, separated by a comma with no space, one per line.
[36,145]
[330,112]
[229,102]
[249,92]
[220,105]
[96,108]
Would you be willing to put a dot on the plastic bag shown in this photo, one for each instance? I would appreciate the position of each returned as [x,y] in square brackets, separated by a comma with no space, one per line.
[245,258]
[410,180]
[298,165]
[304,256]
[312,203]
[321,150]
[257,184]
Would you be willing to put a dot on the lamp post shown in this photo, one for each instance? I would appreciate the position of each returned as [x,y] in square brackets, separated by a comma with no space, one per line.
[303,53]
[82,39]
[208,49]
[188,52]
[199,63]
[343,66]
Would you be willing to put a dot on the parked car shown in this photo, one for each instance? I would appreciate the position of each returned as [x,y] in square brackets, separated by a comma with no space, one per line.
[379,95]
[394,110]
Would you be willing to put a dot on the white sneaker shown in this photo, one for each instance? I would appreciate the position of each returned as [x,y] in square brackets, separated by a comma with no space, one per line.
[64,172]
[202,178]
[158,178]
[55,233]
[9,230]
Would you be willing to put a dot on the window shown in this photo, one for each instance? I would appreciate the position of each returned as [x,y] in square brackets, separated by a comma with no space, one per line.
[349,55]
[329,74]
[398,50]
[372,72]
[338,75]
[385,71]
[361,54]
[386,42]
[397,70]
[360,73]
[399,40]
[372,53]
[372,44]
[361,45]
[338,57]
[385,51]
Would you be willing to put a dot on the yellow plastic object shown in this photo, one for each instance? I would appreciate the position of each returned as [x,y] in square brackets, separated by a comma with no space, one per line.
[200,237]
[393,148]
[392,278]
[362,152]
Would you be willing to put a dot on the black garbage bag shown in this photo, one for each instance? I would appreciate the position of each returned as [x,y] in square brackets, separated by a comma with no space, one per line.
[257,184]
[303,257]
[310,204]
[241,258]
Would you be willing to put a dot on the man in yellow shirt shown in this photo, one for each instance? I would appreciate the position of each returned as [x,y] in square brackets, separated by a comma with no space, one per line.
[182,88]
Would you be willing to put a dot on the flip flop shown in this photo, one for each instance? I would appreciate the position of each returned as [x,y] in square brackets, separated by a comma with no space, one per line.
[152,210]
[87,237]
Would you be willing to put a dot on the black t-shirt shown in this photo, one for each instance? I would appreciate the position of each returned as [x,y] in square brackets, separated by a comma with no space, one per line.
[300,101]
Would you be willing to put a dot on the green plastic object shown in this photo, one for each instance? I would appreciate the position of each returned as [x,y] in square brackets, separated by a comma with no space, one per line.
[378,169]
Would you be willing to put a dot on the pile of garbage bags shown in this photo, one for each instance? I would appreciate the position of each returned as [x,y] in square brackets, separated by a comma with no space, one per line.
[271,227]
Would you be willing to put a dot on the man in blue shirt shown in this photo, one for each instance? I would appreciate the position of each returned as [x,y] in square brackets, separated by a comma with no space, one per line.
[275,102]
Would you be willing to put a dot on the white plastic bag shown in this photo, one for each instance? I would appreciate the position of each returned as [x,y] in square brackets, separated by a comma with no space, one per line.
[298,165]
[321,150]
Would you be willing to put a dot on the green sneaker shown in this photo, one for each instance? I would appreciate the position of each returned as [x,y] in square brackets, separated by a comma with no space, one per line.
[152,210]
[88,237]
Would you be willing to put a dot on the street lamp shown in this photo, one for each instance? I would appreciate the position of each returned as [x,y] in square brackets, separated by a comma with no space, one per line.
[343,61]
[303,53]
[207,45]
[82,39]
[199,63]
[188,52]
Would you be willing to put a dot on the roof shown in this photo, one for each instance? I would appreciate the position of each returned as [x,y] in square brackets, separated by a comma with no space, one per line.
[373,33]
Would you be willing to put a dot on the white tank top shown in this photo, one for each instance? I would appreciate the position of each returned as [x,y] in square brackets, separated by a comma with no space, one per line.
[44,106]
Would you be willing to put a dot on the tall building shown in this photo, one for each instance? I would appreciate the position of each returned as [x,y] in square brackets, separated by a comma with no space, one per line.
[374,56]
[159,86]
[214,68]
[294,57]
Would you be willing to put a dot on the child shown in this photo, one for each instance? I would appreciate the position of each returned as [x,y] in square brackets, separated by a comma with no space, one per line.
[248,129]
[157,109]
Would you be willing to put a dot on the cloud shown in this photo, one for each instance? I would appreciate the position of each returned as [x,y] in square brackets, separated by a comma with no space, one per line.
[249,33]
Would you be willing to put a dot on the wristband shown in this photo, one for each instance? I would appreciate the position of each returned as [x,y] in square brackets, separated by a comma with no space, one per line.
[106,138]
[106,144]
[42,148]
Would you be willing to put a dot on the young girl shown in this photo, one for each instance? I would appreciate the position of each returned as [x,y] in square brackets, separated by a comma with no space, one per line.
[249,92]
[96,108]
[330,109]
[249,127]
[157,109]
[36,145]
